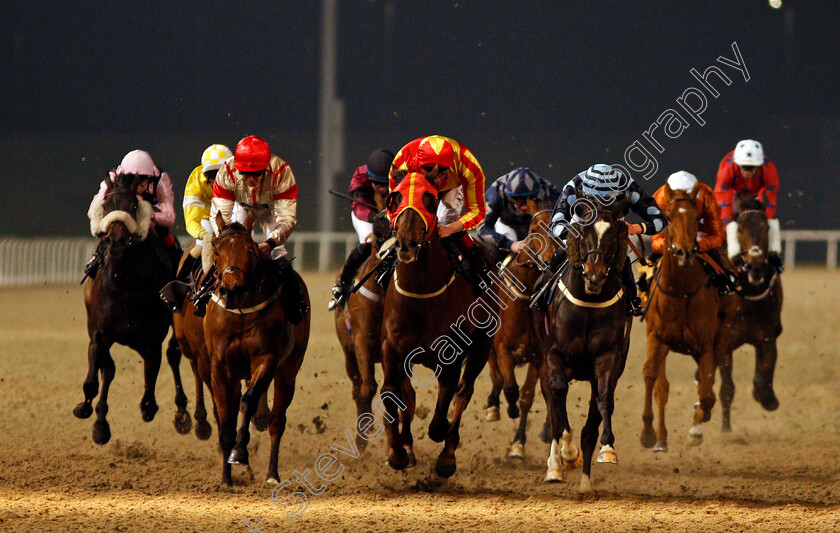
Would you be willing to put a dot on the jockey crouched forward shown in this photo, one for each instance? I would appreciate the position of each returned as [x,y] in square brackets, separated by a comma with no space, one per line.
[596,184]
[154,187]
[257,178]
[457,175]
[507,221]
[710,235]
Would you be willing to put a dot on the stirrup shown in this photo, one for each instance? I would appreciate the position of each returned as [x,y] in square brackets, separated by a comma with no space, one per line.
[339,295]
[634,306]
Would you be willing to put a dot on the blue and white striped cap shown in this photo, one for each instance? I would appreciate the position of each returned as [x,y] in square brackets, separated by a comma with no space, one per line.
[522,183]
[602,180]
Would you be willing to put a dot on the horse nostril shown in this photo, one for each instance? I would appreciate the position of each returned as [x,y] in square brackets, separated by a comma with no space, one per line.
[680,253]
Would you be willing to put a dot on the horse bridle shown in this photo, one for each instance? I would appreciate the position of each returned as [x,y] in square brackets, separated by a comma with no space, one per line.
[233,269]
[668,244]
[132,238]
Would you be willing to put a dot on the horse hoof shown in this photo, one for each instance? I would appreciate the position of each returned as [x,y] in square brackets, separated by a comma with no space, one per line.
[607,455]
[438,431]
[83,410]
[238,457]
[272,481]
[517,450]
[768,400]
[695,435]
[203,430]
[491,416]
[183,423]
[726,428]
[148,412]
[575,462]
[661,446]
[397,459]
[445,470]
[585,484]
[101,432]
[554,476]
[412,460]
[260,422]
[648,438]
[513,411]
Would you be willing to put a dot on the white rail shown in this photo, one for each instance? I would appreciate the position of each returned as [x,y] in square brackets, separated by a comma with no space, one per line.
[46,260]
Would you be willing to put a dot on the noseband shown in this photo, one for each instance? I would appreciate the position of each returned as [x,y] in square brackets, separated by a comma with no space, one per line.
[668,244]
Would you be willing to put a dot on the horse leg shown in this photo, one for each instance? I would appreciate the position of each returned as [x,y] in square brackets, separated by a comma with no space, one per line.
[151,367]
[661,390]
[203,429]
[589,436]
[351,366]
[284,391]
[261,417]
[101,429]
[705,390]
[492,412]
[727,387]
[391,384]
[526,400]
[406,417]
[226,391]
[367,390]
[507,367]
[765,366]
[606,373]
[557,389]
[183,422]
[261,376]
[656,353]
[476,359]
[97,349]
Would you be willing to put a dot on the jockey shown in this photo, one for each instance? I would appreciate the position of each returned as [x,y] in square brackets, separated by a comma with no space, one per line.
[458,177]
[154,187]
[597,184]
[507,221]
[368,181]
[746,171]
[710,236]
[256,177]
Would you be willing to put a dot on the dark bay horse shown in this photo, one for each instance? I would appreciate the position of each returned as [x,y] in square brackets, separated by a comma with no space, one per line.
[516,342]
[123,307]
[249,337]
[588,341]
[432,318]
[685,314]
[758,321]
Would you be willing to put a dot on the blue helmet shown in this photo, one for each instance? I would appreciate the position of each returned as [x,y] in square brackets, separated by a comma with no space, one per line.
[522,183]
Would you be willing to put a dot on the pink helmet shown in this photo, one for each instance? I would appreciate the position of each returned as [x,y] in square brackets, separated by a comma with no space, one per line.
[138,162]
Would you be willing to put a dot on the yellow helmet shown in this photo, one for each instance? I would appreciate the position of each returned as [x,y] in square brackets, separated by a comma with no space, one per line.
[214,156]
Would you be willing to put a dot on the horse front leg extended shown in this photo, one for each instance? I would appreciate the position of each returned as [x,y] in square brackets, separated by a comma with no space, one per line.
[262,415]
[492,412]
[203,429]
[183,422]
[391,384]
[589,436]
[557,390]
[476,359]
[101,429]
[526,400]
[98,348]
[507,367]
[765,366]
[284,392]
[226,391]
[151,367]
[406,417]
[727,388]
[705,390]
[367,349]
[655,363]
[262,372]
[606,373]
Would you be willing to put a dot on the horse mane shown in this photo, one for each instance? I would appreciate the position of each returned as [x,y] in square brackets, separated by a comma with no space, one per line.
[234,228]
[573,246]
[751,204]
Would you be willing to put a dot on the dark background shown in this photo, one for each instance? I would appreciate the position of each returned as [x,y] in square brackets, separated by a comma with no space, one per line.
[554,85]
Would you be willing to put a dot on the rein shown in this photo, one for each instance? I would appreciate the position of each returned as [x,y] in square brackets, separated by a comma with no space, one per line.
[763,295]
[423,296]
[232,269]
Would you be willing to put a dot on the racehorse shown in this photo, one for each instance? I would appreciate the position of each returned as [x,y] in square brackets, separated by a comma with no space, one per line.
[516,342]
[685,314]
[429,304]
[758,320]
[123,307]
[249,337]
[589,337]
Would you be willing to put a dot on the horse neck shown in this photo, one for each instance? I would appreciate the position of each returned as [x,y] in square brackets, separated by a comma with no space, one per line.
[679,280]
[137,269]
[430,271]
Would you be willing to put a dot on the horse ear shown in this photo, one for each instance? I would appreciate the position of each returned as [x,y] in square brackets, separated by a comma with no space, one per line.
[220,221]
[249,220]
[429,201]
[393,201]
[668,190]
[695,191]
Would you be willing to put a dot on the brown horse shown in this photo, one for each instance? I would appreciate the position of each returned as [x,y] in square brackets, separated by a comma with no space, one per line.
[685,314]
[758,321]
[431,317]
[123,307]
[248,337]
[589,340]
[516,342]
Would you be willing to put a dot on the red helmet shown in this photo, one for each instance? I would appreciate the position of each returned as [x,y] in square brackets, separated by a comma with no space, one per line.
[252,154]
[435,150]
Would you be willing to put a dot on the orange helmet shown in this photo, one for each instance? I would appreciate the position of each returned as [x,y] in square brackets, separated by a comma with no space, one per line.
[252,154]
[435,150]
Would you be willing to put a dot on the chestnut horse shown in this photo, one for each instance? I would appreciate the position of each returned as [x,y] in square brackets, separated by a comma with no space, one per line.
[249,337]
[588,341]
[516,342]
[123,307]
[429,304]
[685,314]
[758,321]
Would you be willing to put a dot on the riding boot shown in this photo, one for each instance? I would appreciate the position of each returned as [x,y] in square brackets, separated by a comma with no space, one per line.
[185,274]
[175,292]
[293,302]
[95,261]
[642,284]
[341,290]
[203,292]
[775,261]
[479,265]
[557,260]
[634,303]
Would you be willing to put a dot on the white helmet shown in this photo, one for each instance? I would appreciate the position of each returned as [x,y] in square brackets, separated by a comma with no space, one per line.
[749,153]
[214,156]
[682,180]
[138,162]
